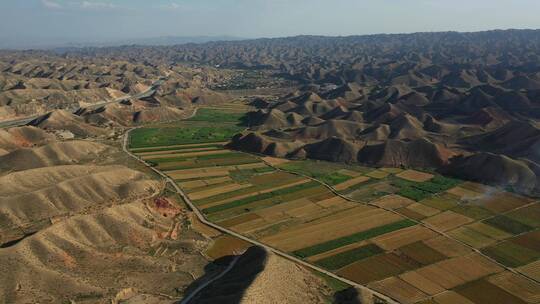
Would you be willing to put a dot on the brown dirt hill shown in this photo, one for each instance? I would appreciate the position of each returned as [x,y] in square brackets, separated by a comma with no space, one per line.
[257,143]
[411,80]
[383,113]
[104,257]
[273,119]
[406,127]
[461,79]
[330,128]
[262,277]
[126,114]
[64,120]
[333,149]
[28,102]
[158,114]
[16,82]
[377,132]
[307,97]
[312,121]
[419,153]
[522,82]
[338,112]
[21,137]
[433,125]
[310,108]
[53,154]
[348,92]
[497,169]
[414,99]
[202,96]
[516,139]
[490,117]
[391,93]
[40,194]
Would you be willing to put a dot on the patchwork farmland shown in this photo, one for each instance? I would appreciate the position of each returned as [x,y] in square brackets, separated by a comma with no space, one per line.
[415,236]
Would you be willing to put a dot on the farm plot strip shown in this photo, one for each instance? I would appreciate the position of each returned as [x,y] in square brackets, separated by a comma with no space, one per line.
[259,197]
[345,258]
[351,182]
[245,193]
[198,163]
[353,238]
[187,146]
[186,155]
[219,190]
[184,174]
[203,182]
[178,151]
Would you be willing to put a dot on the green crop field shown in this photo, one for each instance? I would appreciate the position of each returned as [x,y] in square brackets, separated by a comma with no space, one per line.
[507,224]
[511,255]
[176,148]
[345,258]
[168,136]
[218,116]
[419,191]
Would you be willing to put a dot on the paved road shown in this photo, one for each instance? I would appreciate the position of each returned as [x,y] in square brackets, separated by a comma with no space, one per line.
[203,286]
[276,251]
[26,120]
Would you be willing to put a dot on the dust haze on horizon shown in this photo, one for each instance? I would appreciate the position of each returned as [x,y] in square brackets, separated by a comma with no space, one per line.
[48,23]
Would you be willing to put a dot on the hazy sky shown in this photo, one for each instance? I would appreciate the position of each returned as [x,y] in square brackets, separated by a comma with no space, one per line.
[96,20]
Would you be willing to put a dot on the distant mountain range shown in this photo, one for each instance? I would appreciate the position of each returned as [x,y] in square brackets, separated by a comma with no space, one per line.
[44,44]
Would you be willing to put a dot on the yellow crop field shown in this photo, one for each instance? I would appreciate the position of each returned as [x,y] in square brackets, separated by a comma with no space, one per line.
[199,174]
[392,170]
[451,273]
[393,201]
[423,209]
[232,199]
[305,211]
[450,297]
[400,290]
[216,191]
[351,182]
[402,237]
[334,202]
[203,182]
[415,176]
[313,233]
[464,193]
[447,220]
[274,161]
[531,270]
[517,285]
[350,173]
[471,237]
[448,247]
[421,283]
[490,231]
[378,174]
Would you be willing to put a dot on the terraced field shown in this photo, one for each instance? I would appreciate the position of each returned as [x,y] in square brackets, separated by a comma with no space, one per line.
[414,236]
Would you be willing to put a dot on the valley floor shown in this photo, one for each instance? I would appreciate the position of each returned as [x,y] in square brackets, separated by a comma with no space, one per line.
[416,237]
